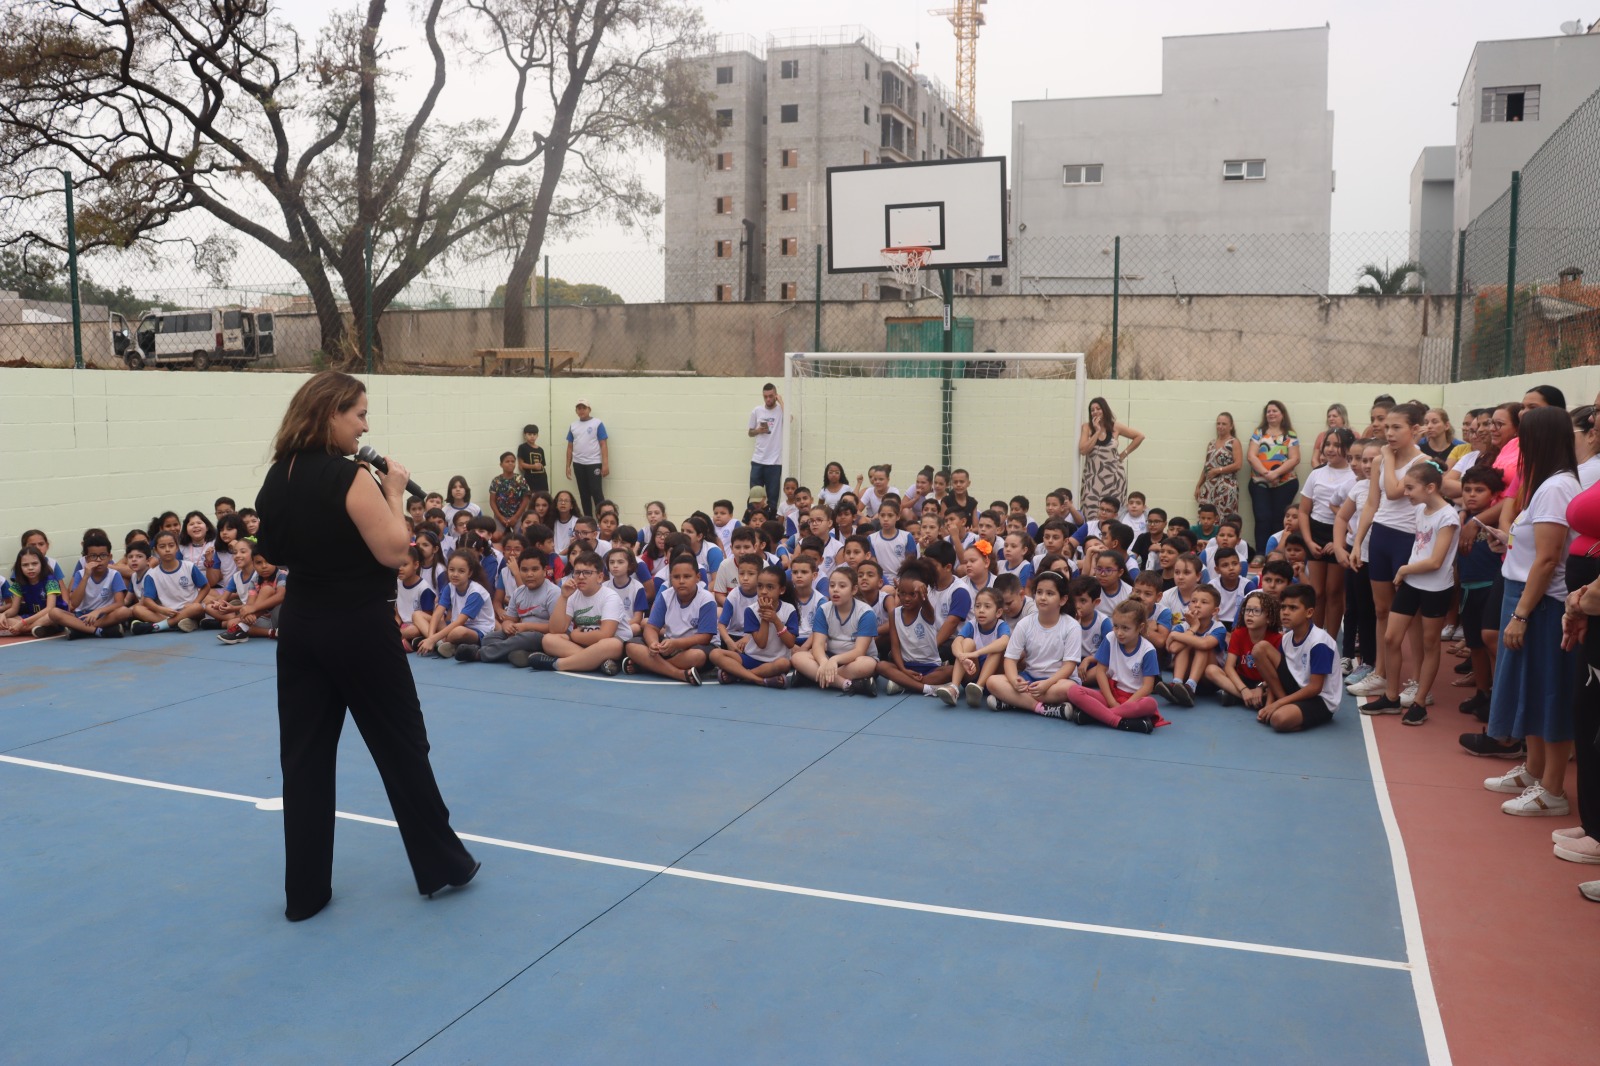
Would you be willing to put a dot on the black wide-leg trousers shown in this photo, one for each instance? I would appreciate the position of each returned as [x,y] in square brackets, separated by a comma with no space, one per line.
[350,657]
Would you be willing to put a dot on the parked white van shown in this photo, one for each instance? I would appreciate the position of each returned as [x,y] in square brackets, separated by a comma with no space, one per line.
[202,336]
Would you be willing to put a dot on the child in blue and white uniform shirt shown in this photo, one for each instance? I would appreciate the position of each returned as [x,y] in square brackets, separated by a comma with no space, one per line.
[843,652]
[1017,557]
[891,545]
[465,612]
[771,632]
[742,596]
[414,600]
[807,597]
[623,579]
[173,590]
[682,626]
[1084,594]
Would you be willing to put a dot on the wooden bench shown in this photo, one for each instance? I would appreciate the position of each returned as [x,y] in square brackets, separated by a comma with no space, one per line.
[492,360]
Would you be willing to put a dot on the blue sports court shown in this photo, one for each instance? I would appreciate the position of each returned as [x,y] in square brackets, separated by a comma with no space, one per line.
[679,874]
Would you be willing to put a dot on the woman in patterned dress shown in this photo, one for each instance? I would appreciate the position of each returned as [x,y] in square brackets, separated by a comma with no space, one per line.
[1274,456]
[1219,478]
[1104,473]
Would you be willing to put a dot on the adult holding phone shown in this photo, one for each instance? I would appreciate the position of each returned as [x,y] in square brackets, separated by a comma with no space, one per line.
[766,459]
[342,534]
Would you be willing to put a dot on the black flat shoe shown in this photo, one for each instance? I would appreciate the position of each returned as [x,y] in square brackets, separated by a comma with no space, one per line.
[476,866]
[300,914]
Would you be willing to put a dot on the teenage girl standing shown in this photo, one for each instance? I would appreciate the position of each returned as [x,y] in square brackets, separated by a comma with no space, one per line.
[1390,520]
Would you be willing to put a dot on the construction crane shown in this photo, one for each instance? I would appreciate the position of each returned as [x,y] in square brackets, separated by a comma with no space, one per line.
[967,18]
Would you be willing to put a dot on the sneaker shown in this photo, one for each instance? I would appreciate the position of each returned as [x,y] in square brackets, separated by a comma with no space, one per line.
[1464,666]
[140,628]
[519,658]
[1371,685]
[538,660]
[187,625]
[1416,714]
[1137,725]
[74,634]
[1535,802]
[1408,694]
[1451,633]
[210,623]
[723,677]
[468,653]
[1051,710]
[407,646]
[791,679]
[1583,849]
[975,696]
[1513,782]
[1228,699]
[993,703]
[611,667]
[445,649]
[947,694]
[1590,890]
[1177,693]
[781,681]
[1485,746]
[234,635]
[1346,665]
[629,667]
[865,686]
[1574,833]
[1360,674]
[1381,705]
[1077,717]
[691,677]
[114,632]
[45,631]
[1471,703]
[893,688]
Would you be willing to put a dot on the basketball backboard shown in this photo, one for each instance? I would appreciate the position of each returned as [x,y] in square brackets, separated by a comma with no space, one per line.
[954,207]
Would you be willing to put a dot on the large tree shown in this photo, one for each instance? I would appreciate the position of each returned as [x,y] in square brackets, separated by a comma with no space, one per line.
[167,107]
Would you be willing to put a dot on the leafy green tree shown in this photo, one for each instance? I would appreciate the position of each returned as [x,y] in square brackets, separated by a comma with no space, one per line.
[1381,281]
[562,294]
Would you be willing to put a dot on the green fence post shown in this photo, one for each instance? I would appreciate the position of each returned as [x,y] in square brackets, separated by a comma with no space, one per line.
[72,275]
[1461,273]
[946,386]
[366,305]
[1116,299]
[816,345]
[1511,272]
[547,316]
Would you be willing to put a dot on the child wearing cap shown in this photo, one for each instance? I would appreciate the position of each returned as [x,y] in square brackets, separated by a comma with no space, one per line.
[588,457]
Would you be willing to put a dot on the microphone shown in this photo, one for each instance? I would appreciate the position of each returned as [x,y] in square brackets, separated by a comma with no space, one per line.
[380,464]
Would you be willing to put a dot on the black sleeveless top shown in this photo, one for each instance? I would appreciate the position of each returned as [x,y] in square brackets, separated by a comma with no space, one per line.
[306,528]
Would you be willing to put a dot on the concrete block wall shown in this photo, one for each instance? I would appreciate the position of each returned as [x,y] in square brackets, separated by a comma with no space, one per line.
[112,450]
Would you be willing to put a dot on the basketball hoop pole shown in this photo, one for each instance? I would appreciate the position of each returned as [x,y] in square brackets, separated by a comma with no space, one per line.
[946,386]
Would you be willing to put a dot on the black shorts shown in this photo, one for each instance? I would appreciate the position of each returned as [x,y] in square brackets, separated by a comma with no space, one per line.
[1313,712]
[1322,533]
[1474,613]
[1409,600]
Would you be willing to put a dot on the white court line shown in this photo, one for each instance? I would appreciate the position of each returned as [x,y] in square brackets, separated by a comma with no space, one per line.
[25,643]
[271,803]
[1433,1033]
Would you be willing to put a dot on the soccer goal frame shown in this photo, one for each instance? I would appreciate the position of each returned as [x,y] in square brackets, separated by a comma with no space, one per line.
[1011,415]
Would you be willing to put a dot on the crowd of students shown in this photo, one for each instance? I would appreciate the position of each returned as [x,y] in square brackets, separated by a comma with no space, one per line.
[1405,540]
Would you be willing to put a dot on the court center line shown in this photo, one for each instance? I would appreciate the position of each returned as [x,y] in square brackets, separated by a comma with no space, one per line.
[1433,1034]
[269,803]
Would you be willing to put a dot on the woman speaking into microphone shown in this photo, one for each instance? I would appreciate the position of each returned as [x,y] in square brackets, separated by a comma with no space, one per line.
[341,537]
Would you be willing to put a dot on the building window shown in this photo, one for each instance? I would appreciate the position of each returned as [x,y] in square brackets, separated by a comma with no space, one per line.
[1511,103]
[724,294]
[723,205]
[724,160]
[789,68]
[866,157]
[789,113]
[724,249]
[788,157]
[788,290]
[996,280]
[789,246]
[866,72]
[789,201]
[1081,174]
[724,116]
[866,116]
[724,75]
[1244,170]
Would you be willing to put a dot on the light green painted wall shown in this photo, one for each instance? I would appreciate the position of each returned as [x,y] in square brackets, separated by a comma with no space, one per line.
[115,449]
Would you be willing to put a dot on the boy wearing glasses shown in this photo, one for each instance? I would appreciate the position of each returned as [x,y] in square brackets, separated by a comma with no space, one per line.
[97,602]
[1110,566]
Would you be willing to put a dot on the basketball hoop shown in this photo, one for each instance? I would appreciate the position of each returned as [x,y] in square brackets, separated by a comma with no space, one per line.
[906,263]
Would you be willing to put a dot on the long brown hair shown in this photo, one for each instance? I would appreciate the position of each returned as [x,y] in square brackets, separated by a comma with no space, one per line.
[1547,449]
[307,423]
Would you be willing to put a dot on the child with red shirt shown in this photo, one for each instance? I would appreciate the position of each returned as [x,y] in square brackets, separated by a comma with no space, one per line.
[1239,679]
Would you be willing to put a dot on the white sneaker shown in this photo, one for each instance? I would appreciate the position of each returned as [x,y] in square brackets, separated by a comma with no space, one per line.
[1408,694]
[1535,802]
[947,695]
[1346,665]
[1514,781]
[1451,633]
[974,694]
[893,688]
[1371,685]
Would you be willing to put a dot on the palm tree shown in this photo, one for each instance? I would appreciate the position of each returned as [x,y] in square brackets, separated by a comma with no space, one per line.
[1374,279]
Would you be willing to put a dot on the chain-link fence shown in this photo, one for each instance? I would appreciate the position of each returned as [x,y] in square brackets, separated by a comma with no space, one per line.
[1538,242]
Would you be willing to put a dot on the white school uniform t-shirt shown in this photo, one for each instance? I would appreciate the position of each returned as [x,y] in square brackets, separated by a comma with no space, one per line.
[177,588]
[533,605]
[1399,514]
[1323,486]
[871,501]
[1358,496]
[807,612]
[97,594]
[474,603]
[588,612]
[1140,525]
[408,601]
[1442,523]
[1241,549]
[725,534]
[768,449]
[1547,506]
[1233,599]
[633,597]
[451,510]
[773,649]
[1094,634]
[733,609]
[1128,669]
[563,532]
[953,599]
[1041,650]
[1109,601]
[842,631]
[675,618]
[585,435]
[892,553]
[919,638]
[1318,654]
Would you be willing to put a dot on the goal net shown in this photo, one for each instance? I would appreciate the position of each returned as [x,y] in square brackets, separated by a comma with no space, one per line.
[1009,418]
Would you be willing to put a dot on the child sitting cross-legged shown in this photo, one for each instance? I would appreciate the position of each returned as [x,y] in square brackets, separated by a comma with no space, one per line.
[914,664]
[843,650]
[262,597]
[1041,656]
[1127,673]
[97,604]
[682,624]
[1157,618]
[978,647]
[172,592]
[1200,644]
[223,603]
[525,617]
[1239,678]
[588,624]
[1302,672]
[465,613]
[770,631]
